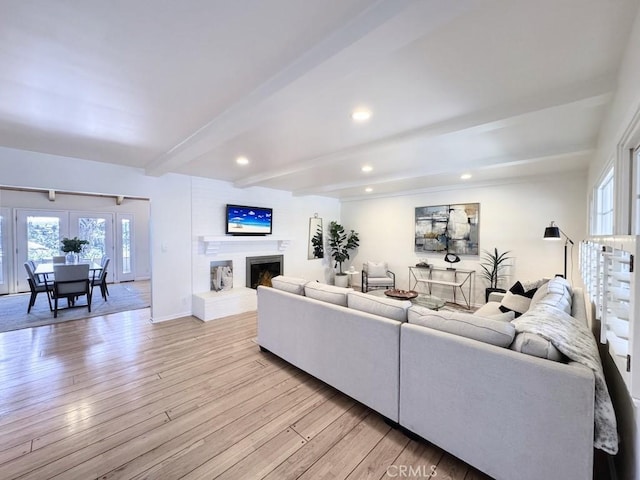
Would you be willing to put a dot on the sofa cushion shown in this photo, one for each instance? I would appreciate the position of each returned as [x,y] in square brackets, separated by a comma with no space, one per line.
[532,344]
[555,293]
[289,284]
[385,307]
[487,330]
[377,269]
[416,311]
[517,299]
[327,293]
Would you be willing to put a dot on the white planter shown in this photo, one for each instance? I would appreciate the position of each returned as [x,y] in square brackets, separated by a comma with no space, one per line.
[341,280]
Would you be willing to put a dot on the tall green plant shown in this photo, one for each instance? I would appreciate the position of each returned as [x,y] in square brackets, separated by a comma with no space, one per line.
[492,265]
[340,243]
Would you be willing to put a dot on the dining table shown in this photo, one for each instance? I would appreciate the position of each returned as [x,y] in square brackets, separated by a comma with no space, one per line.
[47,268]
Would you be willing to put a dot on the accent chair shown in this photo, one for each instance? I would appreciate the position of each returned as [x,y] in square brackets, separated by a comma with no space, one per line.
[377,275]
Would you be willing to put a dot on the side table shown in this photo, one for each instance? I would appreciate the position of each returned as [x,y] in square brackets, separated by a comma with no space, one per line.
[351,274]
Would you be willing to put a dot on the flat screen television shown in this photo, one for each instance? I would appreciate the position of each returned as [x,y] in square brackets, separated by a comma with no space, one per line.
[245,220]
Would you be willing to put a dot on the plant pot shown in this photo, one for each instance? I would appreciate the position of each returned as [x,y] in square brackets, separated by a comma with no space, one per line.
[488,291]
[71,257]
[341,280]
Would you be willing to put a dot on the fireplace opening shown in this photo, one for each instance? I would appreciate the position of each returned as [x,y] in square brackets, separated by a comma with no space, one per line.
[260,270]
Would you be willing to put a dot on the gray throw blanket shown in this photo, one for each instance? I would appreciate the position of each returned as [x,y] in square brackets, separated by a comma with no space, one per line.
[574,340]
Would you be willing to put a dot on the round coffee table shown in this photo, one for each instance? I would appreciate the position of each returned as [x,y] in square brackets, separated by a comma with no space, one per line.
[424,300]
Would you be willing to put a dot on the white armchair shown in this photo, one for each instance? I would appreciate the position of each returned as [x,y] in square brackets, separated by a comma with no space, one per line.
[377,275]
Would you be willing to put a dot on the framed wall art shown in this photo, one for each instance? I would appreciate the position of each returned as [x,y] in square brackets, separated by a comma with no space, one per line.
[448,228]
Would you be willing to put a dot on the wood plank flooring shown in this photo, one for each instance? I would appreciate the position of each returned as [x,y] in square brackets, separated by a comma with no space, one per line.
[118,397]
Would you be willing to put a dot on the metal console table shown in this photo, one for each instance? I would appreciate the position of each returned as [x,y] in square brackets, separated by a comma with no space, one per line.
[462,280]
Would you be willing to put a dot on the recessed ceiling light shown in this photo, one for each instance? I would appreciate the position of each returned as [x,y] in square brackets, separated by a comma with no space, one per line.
[242,161]
[361,115]
[465,176]
[368,189]
[367,168]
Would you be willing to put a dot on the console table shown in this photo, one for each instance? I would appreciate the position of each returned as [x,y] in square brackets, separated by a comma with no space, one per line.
[457,279]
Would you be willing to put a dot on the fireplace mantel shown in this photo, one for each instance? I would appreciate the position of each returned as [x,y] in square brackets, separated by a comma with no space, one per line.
[213,243]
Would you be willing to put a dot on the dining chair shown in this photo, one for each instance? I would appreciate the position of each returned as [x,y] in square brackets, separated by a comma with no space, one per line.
[101,280]
[36,286]
[59,259]
[71,282]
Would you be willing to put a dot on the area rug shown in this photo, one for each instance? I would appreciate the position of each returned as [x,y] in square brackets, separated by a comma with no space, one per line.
[122,297]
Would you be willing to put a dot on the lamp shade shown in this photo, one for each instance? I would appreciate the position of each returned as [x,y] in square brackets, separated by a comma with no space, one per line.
[552,232]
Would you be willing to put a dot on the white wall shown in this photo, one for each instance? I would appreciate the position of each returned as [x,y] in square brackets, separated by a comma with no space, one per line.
[170,219]
[621,127]
[513,217]
[290,220]
[619,133]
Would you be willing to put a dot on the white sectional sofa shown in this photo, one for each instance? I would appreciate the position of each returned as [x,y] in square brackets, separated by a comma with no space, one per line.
[451,378]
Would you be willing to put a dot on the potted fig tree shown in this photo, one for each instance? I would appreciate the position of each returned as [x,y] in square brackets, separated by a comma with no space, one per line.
[340,242]
[493,265]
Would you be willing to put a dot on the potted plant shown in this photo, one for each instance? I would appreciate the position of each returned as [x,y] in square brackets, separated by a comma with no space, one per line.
[340,243]
[493,265]
[72,247]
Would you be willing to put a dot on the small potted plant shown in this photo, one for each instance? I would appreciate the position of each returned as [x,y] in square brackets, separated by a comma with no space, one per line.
[493,265]
[72,247]
[340,243]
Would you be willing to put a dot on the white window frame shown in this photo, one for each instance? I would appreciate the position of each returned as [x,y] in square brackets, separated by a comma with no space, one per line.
[604,204]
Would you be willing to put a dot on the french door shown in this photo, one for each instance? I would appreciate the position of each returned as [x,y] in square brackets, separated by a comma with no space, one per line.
[39,232]
[124,267]
[5,251]
[97,229]
[38,235]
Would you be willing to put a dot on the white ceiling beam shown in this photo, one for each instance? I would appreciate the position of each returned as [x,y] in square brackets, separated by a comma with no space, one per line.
[253,108]
[484,164]
[590,93]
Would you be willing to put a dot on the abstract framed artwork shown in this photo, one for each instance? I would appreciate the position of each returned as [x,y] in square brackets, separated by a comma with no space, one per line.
[448,228]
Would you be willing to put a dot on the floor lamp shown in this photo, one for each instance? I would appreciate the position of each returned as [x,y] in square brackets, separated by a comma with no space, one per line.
[553,232]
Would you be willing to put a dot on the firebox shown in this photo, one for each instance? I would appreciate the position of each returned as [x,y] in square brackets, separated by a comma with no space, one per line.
[260,270]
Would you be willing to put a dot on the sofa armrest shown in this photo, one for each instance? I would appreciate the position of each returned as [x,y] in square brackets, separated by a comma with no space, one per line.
[356,352]
[499,410]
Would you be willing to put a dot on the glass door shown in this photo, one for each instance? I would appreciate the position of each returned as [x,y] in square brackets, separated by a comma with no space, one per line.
[97,229]
[123,269]
[38,234]
[5,257]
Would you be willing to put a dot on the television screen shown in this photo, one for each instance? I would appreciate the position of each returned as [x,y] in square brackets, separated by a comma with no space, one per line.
[244,220]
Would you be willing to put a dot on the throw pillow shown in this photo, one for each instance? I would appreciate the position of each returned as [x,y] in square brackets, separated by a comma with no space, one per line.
[487,330]
[377,269]
[555,293]
[505,317]
[517,299]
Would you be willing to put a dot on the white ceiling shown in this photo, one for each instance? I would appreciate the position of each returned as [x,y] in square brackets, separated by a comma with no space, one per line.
[498,88]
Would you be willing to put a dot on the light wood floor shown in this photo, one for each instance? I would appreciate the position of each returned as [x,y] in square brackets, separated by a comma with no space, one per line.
[118,397]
